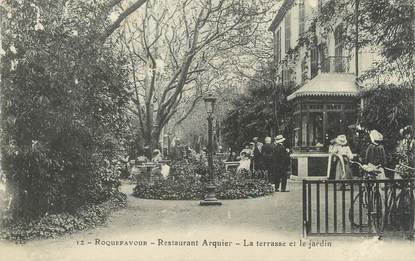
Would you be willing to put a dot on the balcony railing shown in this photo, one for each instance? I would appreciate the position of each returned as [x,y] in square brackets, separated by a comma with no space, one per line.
[336,64]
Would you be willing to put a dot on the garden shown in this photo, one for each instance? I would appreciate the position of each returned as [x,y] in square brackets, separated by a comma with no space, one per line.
[188,178]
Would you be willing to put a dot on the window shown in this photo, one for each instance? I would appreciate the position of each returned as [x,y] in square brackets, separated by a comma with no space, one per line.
[287,32]
[338,50]
[322,53]
[286,77]
[278,46]
[314,62]
[349,107]
[315,129]
[301,16]
[316,107]
[336,107]
[304,130]
[338,40]
[297,128]
[350,118]
[334,125]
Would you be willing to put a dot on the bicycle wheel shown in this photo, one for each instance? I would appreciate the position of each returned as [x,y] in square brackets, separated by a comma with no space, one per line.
[389,209]
[378,213]
[358,214]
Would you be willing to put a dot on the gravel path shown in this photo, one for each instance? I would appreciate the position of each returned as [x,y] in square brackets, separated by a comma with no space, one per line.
[274,219]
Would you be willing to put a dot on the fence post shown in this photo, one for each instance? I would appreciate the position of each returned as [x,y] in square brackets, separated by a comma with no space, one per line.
[318,206]
[304,210]
[326,205]
[309,209]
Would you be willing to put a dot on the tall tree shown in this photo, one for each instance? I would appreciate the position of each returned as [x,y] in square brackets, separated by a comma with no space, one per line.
[235,66]
[179,44]
[63,100]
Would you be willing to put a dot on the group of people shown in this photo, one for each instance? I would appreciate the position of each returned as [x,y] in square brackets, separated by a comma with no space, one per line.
[341,155]
[274,158]
[162,169]
[271,157]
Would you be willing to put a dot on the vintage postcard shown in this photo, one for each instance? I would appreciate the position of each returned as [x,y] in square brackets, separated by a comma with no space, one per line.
[207,130]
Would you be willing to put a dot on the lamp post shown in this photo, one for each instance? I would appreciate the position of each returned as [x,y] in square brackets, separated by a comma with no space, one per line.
[210,199]
[168,145]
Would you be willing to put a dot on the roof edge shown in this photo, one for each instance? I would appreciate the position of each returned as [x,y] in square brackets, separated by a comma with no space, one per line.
[334,94]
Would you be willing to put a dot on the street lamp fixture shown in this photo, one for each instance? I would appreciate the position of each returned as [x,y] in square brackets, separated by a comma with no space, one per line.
[210,101]
[210,198]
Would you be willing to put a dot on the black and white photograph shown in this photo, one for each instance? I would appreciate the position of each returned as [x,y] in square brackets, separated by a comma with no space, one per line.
[217,130]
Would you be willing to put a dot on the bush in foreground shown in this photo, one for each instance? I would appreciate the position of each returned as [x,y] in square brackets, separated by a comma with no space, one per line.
[63,104]
[188,179]
[54,225]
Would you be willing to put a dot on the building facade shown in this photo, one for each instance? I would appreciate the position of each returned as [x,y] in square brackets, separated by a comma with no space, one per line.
[315,59]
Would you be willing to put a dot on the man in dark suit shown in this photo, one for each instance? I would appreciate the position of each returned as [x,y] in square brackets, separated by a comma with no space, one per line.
[281,159]
[257,157]
[267,157]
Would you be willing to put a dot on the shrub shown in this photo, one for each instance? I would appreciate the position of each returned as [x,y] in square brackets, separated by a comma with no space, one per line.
[188,179]
[54,225]
[388,108]
[63,105]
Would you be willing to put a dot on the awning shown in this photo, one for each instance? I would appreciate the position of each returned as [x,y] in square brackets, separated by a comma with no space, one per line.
[328,84]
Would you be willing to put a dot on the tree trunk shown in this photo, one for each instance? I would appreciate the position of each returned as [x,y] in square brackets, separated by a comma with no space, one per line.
[151,136]
[155,138]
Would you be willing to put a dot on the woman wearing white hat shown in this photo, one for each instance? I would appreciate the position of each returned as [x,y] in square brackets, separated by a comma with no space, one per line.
[375,153]
[342,153]
[156,156]
[245,159]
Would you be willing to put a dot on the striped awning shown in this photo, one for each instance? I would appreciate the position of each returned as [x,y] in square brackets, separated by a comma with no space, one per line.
[328,84]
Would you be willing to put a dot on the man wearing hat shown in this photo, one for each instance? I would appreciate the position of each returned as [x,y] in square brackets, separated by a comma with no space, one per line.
[257,154]
[281,163]
[267,156]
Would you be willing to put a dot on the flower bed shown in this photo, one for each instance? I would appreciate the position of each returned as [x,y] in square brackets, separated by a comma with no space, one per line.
[188,179]
[54,225]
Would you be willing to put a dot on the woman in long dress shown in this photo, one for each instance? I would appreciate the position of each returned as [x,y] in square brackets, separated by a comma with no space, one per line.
[332,159]
[342,154]
[375,153]
[163,169]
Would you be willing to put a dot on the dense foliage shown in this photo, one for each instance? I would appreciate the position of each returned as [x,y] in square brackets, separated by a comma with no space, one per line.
[64,95]
[387,109]
[188,179]
[253,114]
[53,225]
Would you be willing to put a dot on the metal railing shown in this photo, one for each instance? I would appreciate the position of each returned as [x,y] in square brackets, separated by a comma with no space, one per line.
[336,64]
[356,207]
